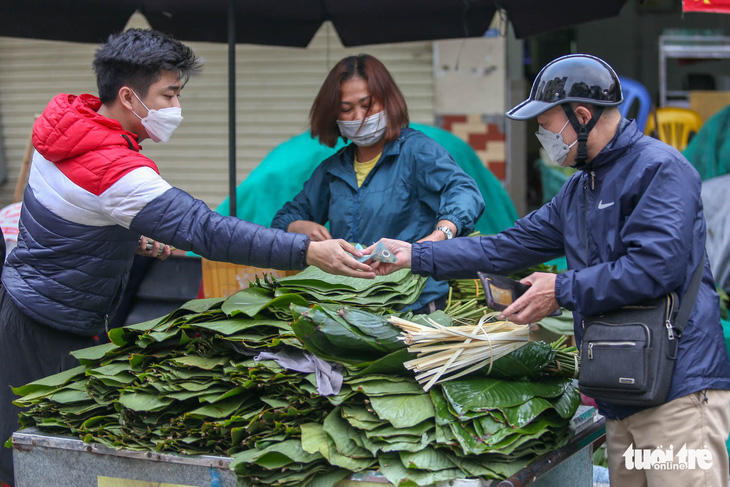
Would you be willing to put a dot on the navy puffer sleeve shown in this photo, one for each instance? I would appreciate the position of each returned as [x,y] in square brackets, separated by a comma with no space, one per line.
[532,240]
[182,221]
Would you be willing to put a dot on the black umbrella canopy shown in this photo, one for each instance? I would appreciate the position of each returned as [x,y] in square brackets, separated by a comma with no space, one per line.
[294,22]
[290,23]
[65,20]
[263,22]
[532,17]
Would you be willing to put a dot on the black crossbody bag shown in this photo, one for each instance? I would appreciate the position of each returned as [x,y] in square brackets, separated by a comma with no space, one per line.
[627,356]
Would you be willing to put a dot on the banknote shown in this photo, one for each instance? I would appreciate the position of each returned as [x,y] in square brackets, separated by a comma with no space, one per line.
[380,254]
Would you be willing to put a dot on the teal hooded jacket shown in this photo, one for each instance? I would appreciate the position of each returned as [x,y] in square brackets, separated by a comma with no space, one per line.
[415,184]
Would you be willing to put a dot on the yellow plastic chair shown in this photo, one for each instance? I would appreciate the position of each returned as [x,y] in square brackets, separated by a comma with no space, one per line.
[676,125]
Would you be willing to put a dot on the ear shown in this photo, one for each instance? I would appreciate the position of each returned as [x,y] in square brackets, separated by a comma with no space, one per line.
[583,114]
[125,96]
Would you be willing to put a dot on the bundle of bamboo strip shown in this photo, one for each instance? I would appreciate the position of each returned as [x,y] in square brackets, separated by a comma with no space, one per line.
[465,289]
[446,353]
[466,310]
[567,362]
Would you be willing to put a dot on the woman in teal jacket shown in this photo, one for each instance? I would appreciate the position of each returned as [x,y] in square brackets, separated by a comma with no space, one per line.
[391,181]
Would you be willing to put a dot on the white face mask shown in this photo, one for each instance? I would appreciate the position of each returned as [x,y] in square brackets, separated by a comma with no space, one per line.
[364,133]
[160,124]
[554,144]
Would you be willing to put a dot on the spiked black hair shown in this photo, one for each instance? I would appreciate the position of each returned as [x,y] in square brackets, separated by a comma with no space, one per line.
[136,58]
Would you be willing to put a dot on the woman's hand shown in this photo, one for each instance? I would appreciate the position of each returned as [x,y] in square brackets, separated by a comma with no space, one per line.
[150,248]
[438,235]
[435,236]
[401,251]
[332,256]
[314,230]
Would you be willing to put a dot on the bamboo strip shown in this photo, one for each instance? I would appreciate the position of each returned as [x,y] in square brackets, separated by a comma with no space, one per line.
[446,353]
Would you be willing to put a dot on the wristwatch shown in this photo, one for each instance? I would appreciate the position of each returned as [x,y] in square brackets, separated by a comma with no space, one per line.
[447,231]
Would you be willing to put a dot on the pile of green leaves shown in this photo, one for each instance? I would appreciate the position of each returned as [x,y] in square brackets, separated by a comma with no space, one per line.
[506,418]
[184,383]
[187,383]
[486,428]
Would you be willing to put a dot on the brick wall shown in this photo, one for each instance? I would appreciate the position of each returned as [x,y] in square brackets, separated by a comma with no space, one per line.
[484,135]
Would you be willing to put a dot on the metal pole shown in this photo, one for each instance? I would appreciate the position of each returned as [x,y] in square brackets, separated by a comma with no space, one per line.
[232,107]
[662,75]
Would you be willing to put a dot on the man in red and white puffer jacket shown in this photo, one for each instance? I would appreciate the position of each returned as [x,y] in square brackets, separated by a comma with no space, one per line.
[90,197]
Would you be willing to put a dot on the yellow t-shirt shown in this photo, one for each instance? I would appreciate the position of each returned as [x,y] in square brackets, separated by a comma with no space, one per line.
[362,169]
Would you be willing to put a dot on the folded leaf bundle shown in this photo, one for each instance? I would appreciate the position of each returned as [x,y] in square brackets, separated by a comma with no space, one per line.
[362,341]
[393,291]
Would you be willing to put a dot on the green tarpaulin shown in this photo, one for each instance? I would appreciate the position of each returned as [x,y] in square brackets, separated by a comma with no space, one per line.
[281,175]
[709,149]
[726,332]
[552,177]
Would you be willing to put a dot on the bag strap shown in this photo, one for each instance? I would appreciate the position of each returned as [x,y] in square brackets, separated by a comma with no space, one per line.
[689,298]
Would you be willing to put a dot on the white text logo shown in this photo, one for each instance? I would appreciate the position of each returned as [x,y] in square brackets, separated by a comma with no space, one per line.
[658,459]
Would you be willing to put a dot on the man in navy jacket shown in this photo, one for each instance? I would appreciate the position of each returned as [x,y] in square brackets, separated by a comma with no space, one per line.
[631,226]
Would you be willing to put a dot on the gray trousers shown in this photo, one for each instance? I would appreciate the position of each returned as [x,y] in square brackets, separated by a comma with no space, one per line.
[28,351]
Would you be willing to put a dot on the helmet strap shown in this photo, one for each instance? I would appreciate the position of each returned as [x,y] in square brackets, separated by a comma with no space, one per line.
[582,129]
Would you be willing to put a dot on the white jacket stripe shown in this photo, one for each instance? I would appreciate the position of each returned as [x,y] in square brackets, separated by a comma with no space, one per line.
[119,204]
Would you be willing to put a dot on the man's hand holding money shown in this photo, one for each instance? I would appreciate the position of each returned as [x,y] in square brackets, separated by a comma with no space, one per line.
[400,253]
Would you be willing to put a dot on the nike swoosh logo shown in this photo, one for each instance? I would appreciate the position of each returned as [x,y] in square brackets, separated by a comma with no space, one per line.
[602,205]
